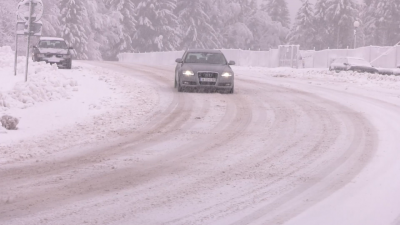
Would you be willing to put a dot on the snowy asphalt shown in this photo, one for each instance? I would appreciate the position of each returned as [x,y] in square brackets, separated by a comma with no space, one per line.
[279,150]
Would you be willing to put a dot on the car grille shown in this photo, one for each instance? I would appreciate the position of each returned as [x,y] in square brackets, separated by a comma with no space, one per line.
[207,75]
[48,55]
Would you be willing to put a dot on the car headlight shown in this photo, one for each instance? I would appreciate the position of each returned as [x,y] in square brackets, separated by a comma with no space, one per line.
[226,74]
[66,56]
[188,73]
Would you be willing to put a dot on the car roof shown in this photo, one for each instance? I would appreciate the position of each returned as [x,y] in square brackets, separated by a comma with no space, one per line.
[51,39]
[204,50]
[349,58]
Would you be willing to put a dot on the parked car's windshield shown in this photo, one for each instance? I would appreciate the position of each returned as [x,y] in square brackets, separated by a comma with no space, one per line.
[52,44]
[359,62]
[202,57]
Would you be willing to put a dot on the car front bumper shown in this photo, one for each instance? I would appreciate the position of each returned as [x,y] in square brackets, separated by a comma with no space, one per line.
[194,82]
[61,62]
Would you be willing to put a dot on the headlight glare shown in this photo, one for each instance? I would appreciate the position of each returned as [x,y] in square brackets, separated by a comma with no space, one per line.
[226,74]
[188,73]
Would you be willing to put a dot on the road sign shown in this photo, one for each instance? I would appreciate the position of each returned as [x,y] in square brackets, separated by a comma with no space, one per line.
[36,28]
[37,10]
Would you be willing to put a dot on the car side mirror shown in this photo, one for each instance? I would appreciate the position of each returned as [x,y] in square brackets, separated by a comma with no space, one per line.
[231,63]
[179,60]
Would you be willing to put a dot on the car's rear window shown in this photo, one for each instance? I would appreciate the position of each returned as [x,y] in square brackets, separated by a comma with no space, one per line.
[52,44]
[205,57]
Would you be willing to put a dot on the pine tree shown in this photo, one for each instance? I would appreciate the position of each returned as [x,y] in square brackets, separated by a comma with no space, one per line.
[226,15]
[303,32]
[266,33]
[50,20]
[278,11]
[122,32]
[341,15]
[387,23]
[157,26]
[7,27]
[196,27]
[320,25]
[75,27]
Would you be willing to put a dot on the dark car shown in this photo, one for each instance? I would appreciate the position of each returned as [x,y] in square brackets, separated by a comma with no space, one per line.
[353,64]
[204,69]
[53,50]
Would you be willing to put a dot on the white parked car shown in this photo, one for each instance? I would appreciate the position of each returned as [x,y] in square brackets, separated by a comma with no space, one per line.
[353,64]
[53,50]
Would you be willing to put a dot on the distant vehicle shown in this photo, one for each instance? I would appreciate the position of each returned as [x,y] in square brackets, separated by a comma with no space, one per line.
[53,50]
[353,64]
[204,69]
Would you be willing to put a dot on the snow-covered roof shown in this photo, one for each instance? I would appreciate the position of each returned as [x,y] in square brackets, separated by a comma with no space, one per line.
[204,50]
[345,57]
[51,39]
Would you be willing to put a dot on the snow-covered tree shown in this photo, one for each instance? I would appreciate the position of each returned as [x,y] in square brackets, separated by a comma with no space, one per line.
[303,31]
[7,27]
[50,19]
[383,22]
[122,28]
[321,25]
[238,36]
[195,24]
[278,11]
[341,15]
[75,26]
[266,33]
[157,26]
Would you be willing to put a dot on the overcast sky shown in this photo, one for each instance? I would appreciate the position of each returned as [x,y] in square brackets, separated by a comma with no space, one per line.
[294,5]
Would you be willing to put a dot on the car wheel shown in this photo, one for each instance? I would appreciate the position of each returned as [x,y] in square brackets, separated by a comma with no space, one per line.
[175,84]
[180,89]
[232,90]
[69,66]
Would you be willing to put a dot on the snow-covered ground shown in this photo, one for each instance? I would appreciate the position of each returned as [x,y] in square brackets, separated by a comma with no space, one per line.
[63,108]
[115,143]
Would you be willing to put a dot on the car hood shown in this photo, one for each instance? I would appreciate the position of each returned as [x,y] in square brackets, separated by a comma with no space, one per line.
[53,50]
[196,67]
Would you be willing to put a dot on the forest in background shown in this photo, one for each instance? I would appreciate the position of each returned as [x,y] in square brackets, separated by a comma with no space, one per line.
[101,29]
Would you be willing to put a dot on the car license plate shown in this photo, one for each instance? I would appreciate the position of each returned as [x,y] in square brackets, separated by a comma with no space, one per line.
[206,79]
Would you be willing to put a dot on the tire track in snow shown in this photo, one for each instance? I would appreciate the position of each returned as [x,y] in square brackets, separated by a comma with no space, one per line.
[44,192]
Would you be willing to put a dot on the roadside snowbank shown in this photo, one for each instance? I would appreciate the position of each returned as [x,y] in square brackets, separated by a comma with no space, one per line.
[58,109]
[46,83]
[360,79]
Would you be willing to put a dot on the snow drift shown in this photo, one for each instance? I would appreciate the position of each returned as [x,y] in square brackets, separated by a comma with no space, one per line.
[45,83]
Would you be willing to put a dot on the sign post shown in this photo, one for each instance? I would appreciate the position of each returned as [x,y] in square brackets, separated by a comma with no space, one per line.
[16,49]
[29,13]
[29,40]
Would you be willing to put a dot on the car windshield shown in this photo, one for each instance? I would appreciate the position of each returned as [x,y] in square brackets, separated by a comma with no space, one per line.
[52,44]
[359,62]
[205,57]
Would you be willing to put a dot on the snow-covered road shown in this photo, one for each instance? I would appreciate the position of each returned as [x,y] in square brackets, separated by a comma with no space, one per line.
[288,147]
